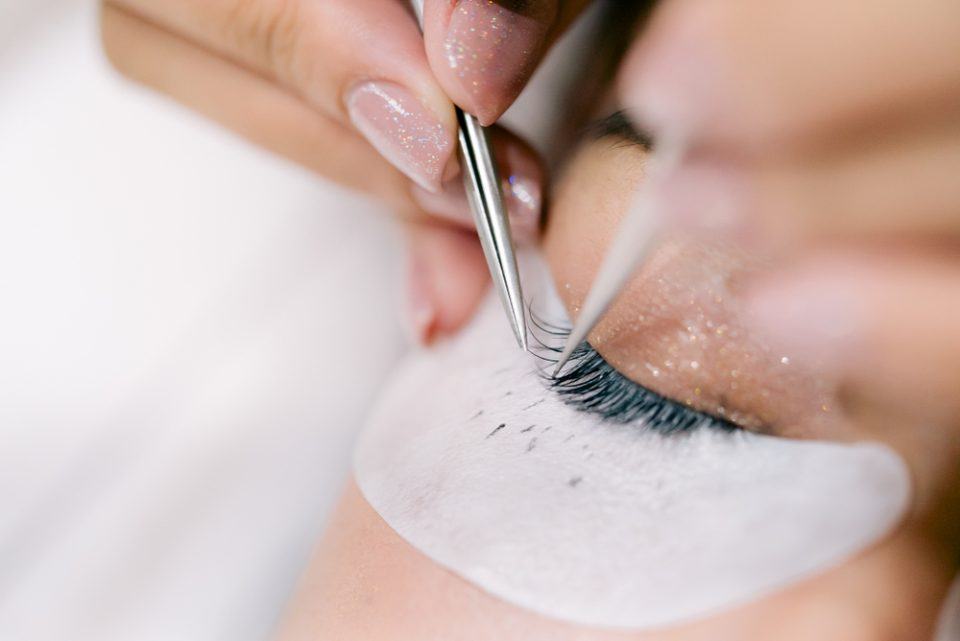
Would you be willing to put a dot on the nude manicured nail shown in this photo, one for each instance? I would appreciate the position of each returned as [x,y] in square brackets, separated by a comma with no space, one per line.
[403,130]
[421,313]
[522,192]
[705,199]
[523,186]
[525,205]
[493,48]
[813,315]
[450,203]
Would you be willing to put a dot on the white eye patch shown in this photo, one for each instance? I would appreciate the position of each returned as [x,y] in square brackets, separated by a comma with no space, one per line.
[473,461]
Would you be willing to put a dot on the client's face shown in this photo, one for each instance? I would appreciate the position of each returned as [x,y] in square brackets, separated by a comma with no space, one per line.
[677,329]
[681,481]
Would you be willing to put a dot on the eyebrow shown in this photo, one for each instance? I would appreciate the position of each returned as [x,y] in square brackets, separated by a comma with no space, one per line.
[618,125]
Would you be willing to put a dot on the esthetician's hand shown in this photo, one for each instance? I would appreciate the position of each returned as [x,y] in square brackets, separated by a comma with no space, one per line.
[825,135]
[347,89]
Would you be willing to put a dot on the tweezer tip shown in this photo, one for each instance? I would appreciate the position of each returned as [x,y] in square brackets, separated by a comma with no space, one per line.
[519,323]
[565,357]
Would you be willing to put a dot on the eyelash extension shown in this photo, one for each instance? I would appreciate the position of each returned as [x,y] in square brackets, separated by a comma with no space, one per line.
[590,384]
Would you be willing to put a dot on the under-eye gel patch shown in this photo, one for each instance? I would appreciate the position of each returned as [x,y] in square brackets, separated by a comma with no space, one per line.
[473,461]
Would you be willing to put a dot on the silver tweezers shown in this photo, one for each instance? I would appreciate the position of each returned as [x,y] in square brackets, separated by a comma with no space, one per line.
[484,192]
[637,237]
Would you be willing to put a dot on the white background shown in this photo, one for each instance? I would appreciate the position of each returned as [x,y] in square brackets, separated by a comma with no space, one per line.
[190,334]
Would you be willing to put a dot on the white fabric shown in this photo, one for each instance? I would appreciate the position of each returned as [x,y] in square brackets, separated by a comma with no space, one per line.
[190,333]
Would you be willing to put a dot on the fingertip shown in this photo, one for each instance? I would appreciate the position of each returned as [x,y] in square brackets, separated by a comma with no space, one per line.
[809,310]
[523,181]
[483,53]
[452,169]
[669,82]
[524,184]
[447,279]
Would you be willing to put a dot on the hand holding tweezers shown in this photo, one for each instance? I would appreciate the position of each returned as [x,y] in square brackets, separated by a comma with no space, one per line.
[485,195]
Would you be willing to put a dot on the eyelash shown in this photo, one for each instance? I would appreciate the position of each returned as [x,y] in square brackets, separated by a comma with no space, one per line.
[590,384]
[619,126]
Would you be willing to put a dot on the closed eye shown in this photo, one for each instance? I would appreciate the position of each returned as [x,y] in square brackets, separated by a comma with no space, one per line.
[590,384]
[619,126]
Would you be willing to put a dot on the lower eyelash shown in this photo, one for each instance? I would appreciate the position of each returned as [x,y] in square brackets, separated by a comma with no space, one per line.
[590,384]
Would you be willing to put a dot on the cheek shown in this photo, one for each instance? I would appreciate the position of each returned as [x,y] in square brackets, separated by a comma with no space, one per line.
[471,460]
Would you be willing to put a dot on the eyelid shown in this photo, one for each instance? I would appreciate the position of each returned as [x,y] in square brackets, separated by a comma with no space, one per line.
[618,125]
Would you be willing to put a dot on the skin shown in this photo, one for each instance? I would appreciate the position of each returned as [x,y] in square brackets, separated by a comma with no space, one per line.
[846,188]
[366,582]
[824,136]
[281,73]
[781,142]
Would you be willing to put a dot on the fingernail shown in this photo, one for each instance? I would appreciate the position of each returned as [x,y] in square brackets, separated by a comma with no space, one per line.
[705,199]
[523,186]
[812,315]
[522,192]
[493,48]
[421,313]
[403,130]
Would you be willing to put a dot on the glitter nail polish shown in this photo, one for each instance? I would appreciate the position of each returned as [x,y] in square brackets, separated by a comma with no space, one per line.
[493,47]
[403,130]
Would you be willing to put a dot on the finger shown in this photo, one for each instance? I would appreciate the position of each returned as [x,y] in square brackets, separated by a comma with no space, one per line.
[903,186]
[523,182]
[446,280]
[276,120]
[355,61]
[484,51]
[882,323]
[765,74]
[249,105]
